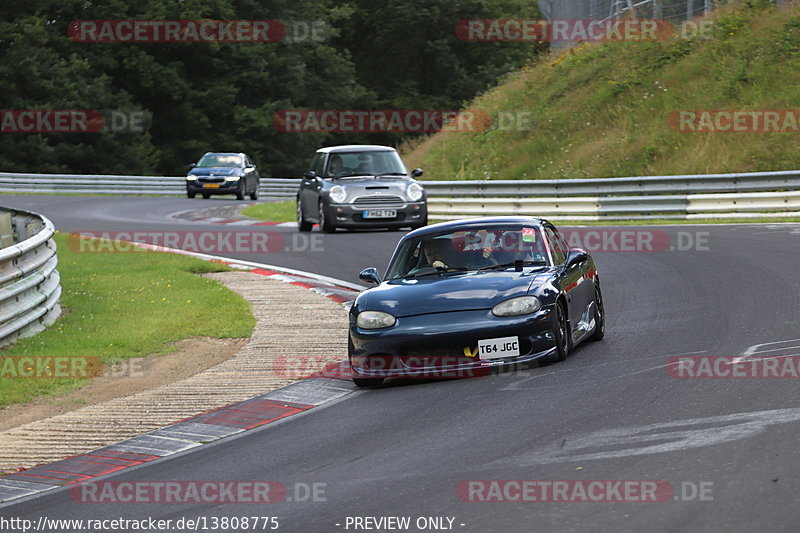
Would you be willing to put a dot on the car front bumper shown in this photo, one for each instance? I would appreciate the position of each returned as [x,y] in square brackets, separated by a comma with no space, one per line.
[444,345]
[352,216]
[225,187]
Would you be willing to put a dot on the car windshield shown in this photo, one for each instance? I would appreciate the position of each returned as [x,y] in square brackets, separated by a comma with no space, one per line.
[219,160]
[494,248]
[369,163]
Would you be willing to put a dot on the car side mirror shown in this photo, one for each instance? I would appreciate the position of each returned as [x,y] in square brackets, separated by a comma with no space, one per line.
[251,165]
[576,256]
[417,172]
[370,275]
[191,165]
[310,175]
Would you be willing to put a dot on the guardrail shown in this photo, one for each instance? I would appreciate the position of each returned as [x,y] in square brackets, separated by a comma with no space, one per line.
[746,195]
[120,184]
[30,286]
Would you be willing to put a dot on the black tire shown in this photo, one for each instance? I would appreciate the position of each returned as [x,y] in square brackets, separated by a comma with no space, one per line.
[325,225]
[190,194]
[367,382]
[561,332]
[206,196]
[254,194]
[302,223]
[240,190]
[599,315]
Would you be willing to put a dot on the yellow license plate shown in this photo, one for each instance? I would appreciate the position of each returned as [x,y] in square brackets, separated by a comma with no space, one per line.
[211,185]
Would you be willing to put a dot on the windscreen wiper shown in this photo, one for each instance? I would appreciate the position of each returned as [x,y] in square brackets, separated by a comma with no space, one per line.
[355,174]
[438,270]
[518,264]
[387,174]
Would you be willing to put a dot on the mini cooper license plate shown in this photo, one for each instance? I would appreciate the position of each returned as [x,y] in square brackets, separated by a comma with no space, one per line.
[379,213]
[211,185]
[498,348]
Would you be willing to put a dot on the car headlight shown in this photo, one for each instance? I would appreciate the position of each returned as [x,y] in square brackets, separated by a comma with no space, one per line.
[337,194]
[524,305]
[232,178]
[375,320]
[414,192]
[191,177]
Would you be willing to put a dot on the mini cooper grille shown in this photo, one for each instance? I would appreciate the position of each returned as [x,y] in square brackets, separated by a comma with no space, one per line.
[378,199]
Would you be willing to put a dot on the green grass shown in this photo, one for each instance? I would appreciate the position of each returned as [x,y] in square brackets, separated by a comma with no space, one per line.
[123,305]
[602,109]
[273,211]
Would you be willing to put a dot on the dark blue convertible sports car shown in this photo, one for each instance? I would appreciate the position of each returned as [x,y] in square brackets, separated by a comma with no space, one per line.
[464,297]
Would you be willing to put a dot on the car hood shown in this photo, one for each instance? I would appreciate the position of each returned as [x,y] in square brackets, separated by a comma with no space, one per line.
[367,187]
[216,171]
[452,292]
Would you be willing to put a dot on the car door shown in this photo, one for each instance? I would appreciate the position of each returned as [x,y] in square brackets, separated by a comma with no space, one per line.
[256,175]
[569,278]
[250,175]
[579,285]
[584,268]
[310,188]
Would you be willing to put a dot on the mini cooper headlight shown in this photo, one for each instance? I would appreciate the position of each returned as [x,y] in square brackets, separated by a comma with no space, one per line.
[337,194]
[375,320]
[414,192]
[524,305]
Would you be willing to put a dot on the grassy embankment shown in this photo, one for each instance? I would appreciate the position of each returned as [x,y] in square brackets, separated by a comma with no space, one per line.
[602,109]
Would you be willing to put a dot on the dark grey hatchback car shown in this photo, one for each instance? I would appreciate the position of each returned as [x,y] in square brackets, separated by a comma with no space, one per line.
[360,186]
[223,173]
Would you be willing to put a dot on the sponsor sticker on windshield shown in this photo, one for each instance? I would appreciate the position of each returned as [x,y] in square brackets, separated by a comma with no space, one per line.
[528,235]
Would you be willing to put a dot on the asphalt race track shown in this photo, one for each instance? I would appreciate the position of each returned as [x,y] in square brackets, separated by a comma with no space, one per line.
[104,213]
[612,411]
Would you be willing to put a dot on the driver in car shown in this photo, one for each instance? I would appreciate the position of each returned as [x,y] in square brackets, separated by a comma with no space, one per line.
[337,166]
[435,251]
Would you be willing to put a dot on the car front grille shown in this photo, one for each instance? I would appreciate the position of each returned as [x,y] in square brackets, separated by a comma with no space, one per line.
[432,353]
[209,179]
[454,351]
[378,199]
